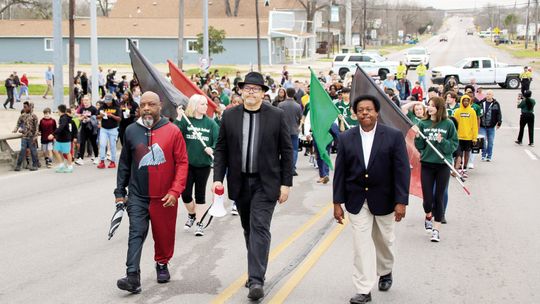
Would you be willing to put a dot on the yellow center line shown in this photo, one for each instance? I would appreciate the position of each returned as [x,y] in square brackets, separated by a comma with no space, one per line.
[239,283]
[306,266]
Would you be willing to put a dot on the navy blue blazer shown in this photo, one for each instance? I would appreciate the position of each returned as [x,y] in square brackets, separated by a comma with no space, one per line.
[384,181]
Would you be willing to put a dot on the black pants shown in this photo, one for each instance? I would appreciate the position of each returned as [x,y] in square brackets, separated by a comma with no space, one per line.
[525,85]
[434,176]
[102,91]
[256,211]
[528,120]
[91,138]
[197,176]
[10,99]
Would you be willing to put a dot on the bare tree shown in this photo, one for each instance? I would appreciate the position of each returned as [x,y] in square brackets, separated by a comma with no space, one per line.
[227,8]
[311,7]
[104,7]
[236,6]
[38,8]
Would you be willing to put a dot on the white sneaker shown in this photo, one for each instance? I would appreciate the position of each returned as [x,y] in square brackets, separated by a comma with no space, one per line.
[428,225]
[470,166]
[234,211]
[96,161]
[200,230]
[79,161]
[435,236]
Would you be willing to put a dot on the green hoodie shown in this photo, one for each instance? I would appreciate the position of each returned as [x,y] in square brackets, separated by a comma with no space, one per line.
[447,146]
[209,131]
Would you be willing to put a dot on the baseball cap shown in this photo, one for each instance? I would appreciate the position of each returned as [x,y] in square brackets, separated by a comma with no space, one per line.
[108,98]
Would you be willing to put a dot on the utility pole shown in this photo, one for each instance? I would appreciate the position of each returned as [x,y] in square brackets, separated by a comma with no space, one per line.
[348,26]
[259,36]
[94,51]
[328,30]
[58,54]
[180,34]
[71,52]
[536,25]
[527,27]
[206,53]
[364,27]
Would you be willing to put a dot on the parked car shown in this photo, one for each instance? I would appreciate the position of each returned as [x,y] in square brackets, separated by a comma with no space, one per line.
[372,63]
[470,32]
[416,55]
[501,40]
[484,70]
[443,38]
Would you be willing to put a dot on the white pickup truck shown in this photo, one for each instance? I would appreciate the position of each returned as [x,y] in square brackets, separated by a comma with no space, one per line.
[484,70]
[372,63]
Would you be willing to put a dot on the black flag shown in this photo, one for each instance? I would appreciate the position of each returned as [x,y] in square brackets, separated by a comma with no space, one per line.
[150,79]
[390,114]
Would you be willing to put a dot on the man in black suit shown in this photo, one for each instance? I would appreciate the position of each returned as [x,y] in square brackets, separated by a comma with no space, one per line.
[372,179]
[254,150]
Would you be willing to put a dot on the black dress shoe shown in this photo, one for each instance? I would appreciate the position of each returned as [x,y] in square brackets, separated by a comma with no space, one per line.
[295,173]
[256,292]
[360,298]
[385,282]
[443,220]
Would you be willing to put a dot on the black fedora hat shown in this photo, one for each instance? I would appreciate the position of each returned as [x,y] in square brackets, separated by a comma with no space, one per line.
[253,78]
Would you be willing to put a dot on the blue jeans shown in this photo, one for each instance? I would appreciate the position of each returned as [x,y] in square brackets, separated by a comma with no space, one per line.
[27,143]
[324,170]
[489,137]
[422,80]
[294,140]
[24,90]
[107,135]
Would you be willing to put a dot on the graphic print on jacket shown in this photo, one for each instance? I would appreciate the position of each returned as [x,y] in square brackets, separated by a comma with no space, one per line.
[154,157]
[153,161]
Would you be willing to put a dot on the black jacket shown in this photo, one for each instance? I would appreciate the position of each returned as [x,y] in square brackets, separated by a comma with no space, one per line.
[496,116]
[274,158]
[64,131]
[383,182]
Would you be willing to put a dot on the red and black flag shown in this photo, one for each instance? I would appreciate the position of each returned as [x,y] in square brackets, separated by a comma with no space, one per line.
[391,115]
[188,88]
[150,79]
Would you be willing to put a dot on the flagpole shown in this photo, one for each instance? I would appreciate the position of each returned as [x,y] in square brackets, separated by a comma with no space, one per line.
[458,177]
[197,134]
[340,116]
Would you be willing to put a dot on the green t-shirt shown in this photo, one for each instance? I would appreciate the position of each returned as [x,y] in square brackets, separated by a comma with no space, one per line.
[478,109]
[447,146]
[208,129]
[451,111]
[345,110]
[523,106]
[225,100]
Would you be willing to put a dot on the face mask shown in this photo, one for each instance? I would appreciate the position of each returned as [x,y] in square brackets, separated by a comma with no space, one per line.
[148,122]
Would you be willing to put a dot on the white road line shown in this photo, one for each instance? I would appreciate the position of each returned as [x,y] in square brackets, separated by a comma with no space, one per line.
[531,155]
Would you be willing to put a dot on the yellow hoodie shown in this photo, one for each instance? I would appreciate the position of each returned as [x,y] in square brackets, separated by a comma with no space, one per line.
[467,121]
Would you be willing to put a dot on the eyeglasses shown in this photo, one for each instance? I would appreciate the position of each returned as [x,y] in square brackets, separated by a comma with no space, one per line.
[252,89]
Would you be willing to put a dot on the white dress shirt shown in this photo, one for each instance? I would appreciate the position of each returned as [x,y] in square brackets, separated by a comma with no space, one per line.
[367,142]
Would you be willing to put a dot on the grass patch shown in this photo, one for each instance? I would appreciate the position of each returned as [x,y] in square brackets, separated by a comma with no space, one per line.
[34,89]
[228,70]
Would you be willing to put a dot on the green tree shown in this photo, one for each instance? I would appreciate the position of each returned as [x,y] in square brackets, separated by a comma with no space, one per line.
[215,41]
[510,23]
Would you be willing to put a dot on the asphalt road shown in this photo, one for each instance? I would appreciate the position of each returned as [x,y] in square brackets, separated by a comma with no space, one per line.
[54,249]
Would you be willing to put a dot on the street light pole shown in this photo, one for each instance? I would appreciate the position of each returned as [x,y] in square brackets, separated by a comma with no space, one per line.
[58,56]
[180,34]
[71,52]
[527,29]
[94,51]
[258,36]
[206,52]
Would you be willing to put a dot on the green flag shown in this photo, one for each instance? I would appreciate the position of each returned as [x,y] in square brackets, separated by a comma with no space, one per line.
[323,113]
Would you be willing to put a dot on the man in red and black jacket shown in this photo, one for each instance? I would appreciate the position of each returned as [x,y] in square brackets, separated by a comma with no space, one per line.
[153,165]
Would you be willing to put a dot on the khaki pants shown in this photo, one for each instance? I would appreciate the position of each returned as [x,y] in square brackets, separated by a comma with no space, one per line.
[373,237]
